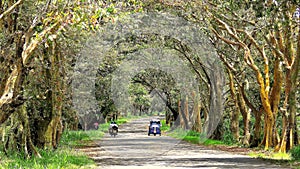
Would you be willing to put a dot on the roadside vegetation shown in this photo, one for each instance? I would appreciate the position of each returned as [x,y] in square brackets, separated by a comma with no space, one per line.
[65,156]
[164,127]
[250,79]
[292,158]
[194,137]
[295,153]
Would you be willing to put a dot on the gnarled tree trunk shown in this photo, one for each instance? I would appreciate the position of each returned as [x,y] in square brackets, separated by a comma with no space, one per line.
[234,127]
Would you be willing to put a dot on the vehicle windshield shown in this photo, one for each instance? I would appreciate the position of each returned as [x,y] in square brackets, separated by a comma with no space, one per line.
[155,122]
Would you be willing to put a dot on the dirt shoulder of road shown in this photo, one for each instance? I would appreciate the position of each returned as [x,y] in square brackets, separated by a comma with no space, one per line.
[256,152]
[234,149]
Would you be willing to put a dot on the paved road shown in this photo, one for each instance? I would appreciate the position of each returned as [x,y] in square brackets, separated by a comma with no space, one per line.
[134,149]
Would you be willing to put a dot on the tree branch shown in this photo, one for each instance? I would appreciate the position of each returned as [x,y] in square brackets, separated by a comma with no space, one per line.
[28,50]
[10,9]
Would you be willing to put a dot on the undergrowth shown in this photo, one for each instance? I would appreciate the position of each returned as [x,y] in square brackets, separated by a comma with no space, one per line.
[164,126]
[295,153]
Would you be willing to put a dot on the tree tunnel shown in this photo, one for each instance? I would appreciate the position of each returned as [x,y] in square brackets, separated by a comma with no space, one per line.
[146,41]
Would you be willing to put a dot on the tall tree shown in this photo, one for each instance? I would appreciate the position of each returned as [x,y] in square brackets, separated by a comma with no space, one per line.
[268,38]
[33,66]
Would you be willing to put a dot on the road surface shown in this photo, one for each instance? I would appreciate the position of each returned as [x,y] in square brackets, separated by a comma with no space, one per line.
[132,148]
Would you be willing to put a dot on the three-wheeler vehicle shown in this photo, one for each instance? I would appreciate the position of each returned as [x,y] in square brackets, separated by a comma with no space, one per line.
[154,127]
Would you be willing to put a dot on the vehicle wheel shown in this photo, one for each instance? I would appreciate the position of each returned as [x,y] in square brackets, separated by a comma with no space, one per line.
[154,134]
[148,134]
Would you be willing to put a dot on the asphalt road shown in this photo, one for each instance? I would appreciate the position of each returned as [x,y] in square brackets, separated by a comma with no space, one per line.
[132,148]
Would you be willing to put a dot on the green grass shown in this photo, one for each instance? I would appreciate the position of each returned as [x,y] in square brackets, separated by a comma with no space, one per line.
[213,142]
[80,138]
[62,158]
[122,121]
[164,126]
[194,137]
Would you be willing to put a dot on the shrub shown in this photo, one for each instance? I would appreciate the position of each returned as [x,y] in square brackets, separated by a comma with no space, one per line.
[164,126]
[228,139]
[295,153]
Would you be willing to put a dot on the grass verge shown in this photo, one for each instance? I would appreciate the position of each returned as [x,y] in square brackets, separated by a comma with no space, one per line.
[64,157]
[193,137]
[196,138]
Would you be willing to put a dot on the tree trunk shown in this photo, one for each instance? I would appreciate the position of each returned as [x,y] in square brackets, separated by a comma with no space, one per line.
[26,142]
[186,113]
[55,126]
[275,96]
[180,112]
[246,118]
[268,116]
[197,117]
[292,102]
[234,127]
[257,128]
[257,115]
[11,98]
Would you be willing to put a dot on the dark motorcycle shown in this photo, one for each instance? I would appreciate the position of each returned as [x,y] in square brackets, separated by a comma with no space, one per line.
[113,130]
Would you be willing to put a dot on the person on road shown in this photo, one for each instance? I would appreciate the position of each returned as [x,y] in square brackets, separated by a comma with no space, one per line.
[113,126]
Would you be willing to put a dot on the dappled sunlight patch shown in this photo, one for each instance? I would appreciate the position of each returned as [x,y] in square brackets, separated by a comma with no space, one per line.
[281,156]
[271,155]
